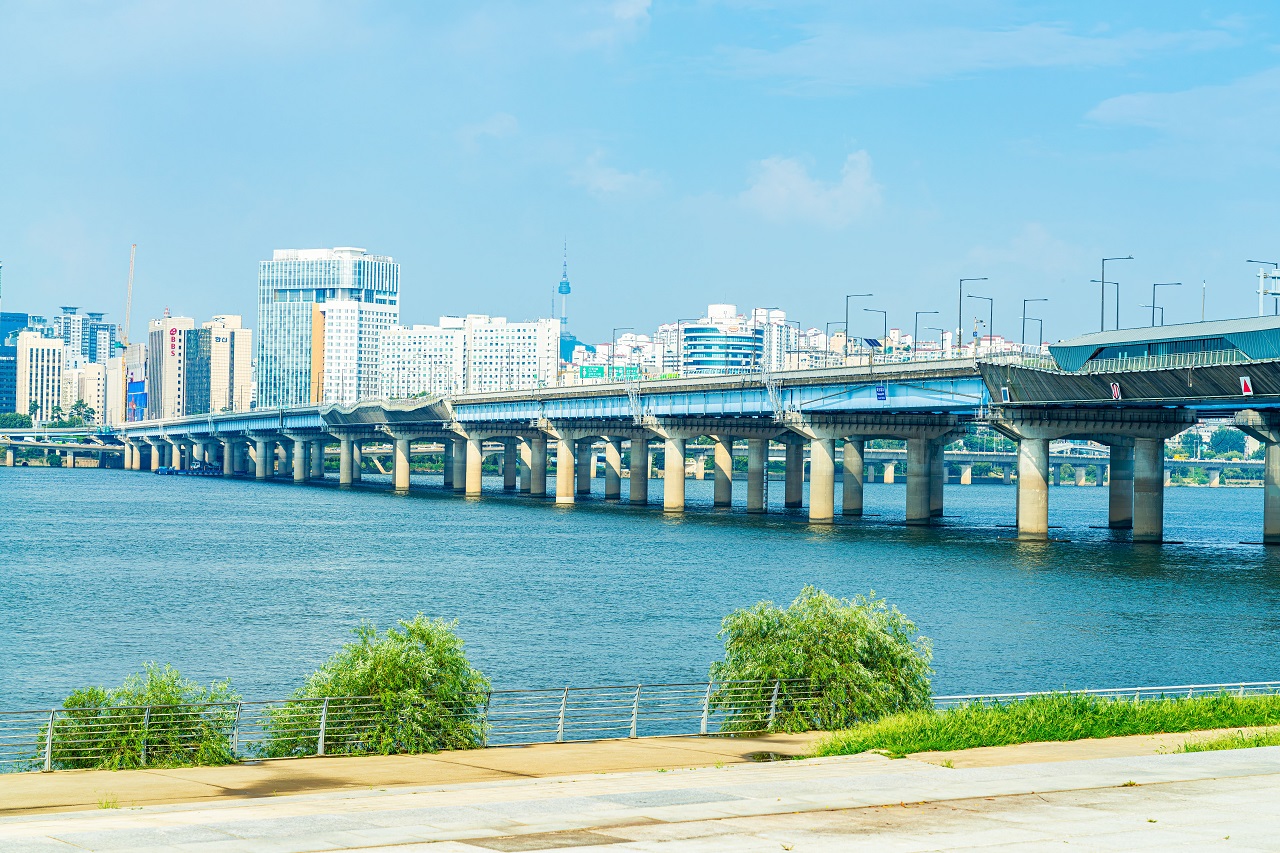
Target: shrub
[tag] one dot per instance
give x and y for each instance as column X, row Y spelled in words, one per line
column 839, row 661
column 14, row 420
column 156, row 718
column 410, row 690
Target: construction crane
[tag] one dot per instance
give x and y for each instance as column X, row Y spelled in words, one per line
column 124, row 343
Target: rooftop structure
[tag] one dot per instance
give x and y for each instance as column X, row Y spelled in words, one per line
column 1252, row 337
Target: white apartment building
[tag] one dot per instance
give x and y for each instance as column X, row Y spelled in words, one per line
column 86, row 381
column 422, row 360
column 167, row 366
column 230, row 364
column 39, row 368
column 471, row 354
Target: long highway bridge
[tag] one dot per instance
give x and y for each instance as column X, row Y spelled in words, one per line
column 1129, row 390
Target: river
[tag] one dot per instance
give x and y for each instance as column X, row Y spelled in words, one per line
column 260, row 582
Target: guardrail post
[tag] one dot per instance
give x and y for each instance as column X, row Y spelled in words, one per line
column 773, row 703
column 488, row 702
column 324, row 719
column 48, row 741
column 564, row 704
column 706, row 710
column 146, row 722
column 635, row 712
column 235, row 732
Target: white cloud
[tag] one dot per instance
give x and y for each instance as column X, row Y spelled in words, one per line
column 782, row 189
column 496, row 126
column 1245, row 109
column 602, row 180
column 836, row 57
column 626, row 19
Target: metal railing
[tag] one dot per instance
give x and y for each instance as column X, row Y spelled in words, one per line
column 1135, row 694
column 115, row 737
column 1170, row 361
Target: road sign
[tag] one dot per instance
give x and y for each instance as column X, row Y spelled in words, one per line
column 629, row 371
column 1246, row 386
column 882, row 393
column 1115, row 390
column 591, row 371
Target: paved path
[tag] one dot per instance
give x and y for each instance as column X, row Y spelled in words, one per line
column 867, row 802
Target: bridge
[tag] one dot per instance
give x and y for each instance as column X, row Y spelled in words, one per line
column 1131, row 403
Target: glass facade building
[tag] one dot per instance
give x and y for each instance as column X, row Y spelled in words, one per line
column 321, row 313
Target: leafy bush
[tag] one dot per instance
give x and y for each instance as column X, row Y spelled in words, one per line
column 410, row 690
column 839, row 662
column 14, row 420
column 1056, row 717
column 156, row 718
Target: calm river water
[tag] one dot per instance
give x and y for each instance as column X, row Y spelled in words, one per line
column 260, row 582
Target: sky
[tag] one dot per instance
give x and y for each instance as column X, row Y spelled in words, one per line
column 763, row 154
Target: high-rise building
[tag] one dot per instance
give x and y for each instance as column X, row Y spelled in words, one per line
column 39, row 374
column 321, row 314
column 167, row 366
column 85, row 382
column 780, row 337
column 85, row 334
column 505, row 356
column 219, row 367
column 422, row 360
column 10, row 324
column 722, row 342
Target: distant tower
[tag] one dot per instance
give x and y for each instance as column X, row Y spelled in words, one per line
column 563, row 290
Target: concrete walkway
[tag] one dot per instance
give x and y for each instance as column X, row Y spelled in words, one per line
column 867, row 802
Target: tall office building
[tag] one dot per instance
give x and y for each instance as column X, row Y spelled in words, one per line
column 321, row 315
column 84, row 381
column 219, row 367
column 167, row 373
column 85, row 334
column 39, row 374
column 724, row 341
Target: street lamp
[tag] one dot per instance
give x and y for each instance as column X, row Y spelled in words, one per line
column 846, row 322
column 991, row 317
column 942, row 337
column 1153, row 299
column 1154, row 309
column 915, row 332
column 826, row 355
column 1024, row 319
column 884, row 341
column 960, row 309
column 613, row 348
column 1102, row 284
column 1041, row 329
column 1262, row 289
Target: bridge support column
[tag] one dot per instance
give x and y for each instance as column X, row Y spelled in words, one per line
column 793, row 490
column 638, row 483
column 447, row 465
column 822, row 481
column 887, row 475
column 1079, row 472
column 1215, row 477
column 1148, row 490
column 230, row 448
column 317, row 460
column 1265, row 427
column 346, row 461
column 357, row 460
column 1101, row 472
column 1168, row 478
column 1033, row 488
column 586, row 465
column 854, row 469
column 612, row 469
column 673, row 473
column 475, row 466
column 966, row 474
column 524, row 462
column 757, row 470
column 538, row 466
column 157, row 455
column 937, row 477
column 1120, row 503
column 8, row 455
column 1056, row 471
column 509, row 464
column 401, row 466
column 71, row 459
column 724, row 471
column 300, row 460
column 565, row 469
column 459, row 479
column 262, row 459
column 919, row 480
column 1008, row 474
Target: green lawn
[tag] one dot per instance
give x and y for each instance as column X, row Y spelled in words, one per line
column 1056, row 717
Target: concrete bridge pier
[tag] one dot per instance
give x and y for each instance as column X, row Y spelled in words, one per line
column 1120, row 497
column 524, row 462
column 157, row 454
column 919, row 480
column 447, row 466
column 357, row 459
column 1079, row 471
column 1101, row 471
column 346, row 461
column 459, row 479
column 300, row 466
column 673, row 474
column 8, row 455
column 1265, row 427
column 585, row 469
column 400, row 466
column 230, row 450
column 509, row 464
column 565, row 468
column 757, row 467
column 538, row 466
column 638, row 482
column 475, row 465
column 793, row 485
column 1148, row 490
column 966, row 474
column 1215, row 477
column 723, row 495
column 937, row 477
column 317, row 459
column 1006, row 474
column 854, row 470
column 612, row 469
column 1056, row 471
column 822, row 480
column 887, row 474
column 1033, row 488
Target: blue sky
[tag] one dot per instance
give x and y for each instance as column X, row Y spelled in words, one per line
column 772, row 154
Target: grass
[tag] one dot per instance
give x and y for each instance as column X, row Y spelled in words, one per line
column 1233, row 740
column 108, row 801
column 1055, row 717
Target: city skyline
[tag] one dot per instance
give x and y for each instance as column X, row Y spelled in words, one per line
column 729, row 153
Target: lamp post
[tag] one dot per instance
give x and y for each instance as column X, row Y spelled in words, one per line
column 942, row 337
column 613, row 347
column 1024, row 318
column 1154, row 309
column 960, row 309
column 827, row 354
column 1262, row 286
column 846, row 323
column 1102, row 284
column 884, row 341
column 991, row 318
column 915, row 332
column 1041, row 330
column 1153, row 299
